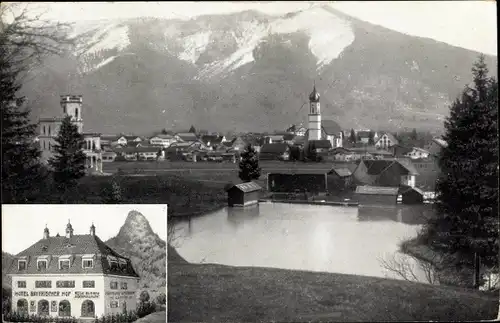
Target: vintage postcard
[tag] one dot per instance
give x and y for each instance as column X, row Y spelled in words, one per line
column 84, row 262
column 321, row 160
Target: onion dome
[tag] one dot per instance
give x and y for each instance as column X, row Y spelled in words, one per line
column 314, row 96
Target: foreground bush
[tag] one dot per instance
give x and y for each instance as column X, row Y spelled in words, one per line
column 22, row 317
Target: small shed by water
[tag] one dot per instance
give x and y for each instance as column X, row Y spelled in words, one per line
column 377, row 195
column 411, row 195
column 243, row 194
column 339, row 179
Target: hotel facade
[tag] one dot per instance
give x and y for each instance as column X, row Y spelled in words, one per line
column 72, row 276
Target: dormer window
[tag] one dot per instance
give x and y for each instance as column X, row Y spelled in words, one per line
column 88, row 261
column 123, row 264
column 64, row 262
column 41, row 264
column 113, row 262
column 21, row 264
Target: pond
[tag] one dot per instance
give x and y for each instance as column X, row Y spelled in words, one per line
column 347, row 240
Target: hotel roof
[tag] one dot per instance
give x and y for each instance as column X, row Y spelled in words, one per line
column 77, row 247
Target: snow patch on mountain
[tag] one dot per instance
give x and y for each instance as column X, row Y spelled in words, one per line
column 328, row 34
column 194, row 45
column 97, row 36
column 250, row 37
column 114, row 36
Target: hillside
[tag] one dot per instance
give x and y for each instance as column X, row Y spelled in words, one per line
column 146, row 250
column 7, row 259
column 220, row 71
column 217, row 293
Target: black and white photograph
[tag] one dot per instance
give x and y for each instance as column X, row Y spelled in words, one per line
column 92, row 263
column 321, row 160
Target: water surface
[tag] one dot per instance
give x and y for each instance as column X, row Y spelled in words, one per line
column 346, row 240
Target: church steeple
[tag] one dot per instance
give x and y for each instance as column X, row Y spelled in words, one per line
column 69, row 230
column 46, row 233
column 314, row 96
column 314, row 115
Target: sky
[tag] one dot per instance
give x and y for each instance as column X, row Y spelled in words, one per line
column 468, row 24
column 23, row 225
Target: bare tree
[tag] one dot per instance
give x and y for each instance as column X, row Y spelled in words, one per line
column 26, row 38
column 406, row 267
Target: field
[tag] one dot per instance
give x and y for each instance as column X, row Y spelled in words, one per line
column 176, row 166
column 218, row 293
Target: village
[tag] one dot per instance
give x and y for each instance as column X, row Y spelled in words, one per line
column 338, row 160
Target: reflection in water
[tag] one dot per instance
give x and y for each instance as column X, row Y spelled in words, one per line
column 413, row 215
column 305, row 237
column 239, row 215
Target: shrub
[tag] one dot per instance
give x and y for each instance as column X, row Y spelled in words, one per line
column 228, row 186
column 162, row 299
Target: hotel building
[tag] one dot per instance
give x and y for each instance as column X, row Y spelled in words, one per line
column 72, row 276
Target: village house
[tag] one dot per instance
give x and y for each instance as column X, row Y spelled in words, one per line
column 333, row 133
column 280, row 151
column 386, row 141
column 186, row 136
column 339, row 179
column 213, row 141
column 162, row 140
column 428, row 170
column 411, row 195
column 72, row 276
column 417, row 153
column 109, row 156
column 343, row 154
column 369, row 152
column 363, row 136
column 274, row 139
column 435, row 146
column 150, row 153
column 400, row 151
column 386, row 172
column 320, row 146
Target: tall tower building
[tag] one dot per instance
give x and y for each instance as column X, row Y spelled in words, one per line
column 72, row 105
column 314, row 116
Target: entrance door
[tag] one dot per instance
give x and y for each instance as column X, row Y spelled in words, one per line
column 43, row 307
column 88, row 309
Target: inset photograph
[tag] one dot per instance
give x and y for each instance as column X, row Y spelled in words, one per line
column 97, row 263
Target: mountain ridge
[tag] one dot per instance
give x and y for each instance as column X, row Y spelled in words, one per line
column 217, row 73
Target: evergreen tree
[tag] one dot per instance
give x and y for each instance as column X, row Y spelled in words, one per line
column 413, row 135
column 311, row 153
column 249, row 165
column 192, row 129
column 113, row 193
column 68, row 163
column 371, row 139
column 352, row 137
column 466, row 220
column 21, row 169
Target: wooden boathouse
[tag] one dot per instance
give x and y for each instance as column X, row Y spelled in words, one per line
column 377, row 195
column 243, row 194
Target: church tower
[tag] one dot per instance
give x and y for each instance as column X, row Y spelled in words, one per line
column 72, row 106
column 314, row 116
